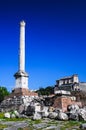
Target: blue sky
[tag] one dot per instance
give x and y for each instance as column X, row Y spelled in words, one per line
column 55, row 40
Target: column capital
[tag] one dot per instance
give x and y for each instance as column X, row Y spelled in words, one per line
column 22, row 23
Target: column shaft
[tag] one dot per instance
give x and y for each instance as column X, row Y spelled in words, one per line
column 22, row 47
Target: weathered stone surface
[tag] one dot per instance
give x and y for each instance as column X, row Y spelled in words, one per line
column 16, row 126
column 57, row 110
column 52, row 128
column 84, row 108
column 82, row 114
column 73, row 107
column 16, row 113
column 30, row 110
column 53, row 115
column 7, row 115
column 39, row 126
column 83, row 126
column 38, row 107
column 21, row 109
column 73, row 112
column 73, row 116
column 13, row 115
column 62, row 116
column 51, row 109
column 45, row 112
column 17, row 103
column 23, row 116
column 37, row 116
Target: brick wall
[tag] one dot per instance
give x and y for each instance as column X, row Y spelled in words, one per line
column 63, row 101
column 21, row 92
column 57, row 103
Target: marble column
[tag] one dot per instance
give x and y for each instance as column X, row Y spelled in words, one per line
column 22, row 47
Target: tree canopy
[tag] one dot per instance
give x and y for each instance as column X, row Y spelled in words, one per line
column 3, row 92
column 46, row 91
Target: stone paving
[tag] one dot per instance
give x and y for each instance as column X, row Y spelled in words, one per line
column 15, row 125
column 12, row 125
column 45, row 124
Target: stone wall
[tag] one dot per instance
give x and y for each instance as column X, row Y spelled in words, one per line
column 21, row 92
column 62, row 102
column 57, row 103
column 15, row 102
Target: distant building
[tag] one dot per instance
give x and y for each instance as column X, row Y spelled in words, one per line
column 70, row 83
column 82, row 86
column 69, row 90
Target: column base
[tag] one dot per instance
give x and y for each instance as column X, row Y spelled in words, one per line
column 21, row 92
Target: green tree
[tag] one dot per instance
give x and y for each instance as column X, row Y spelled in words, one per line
column 46, row 91
column 49, row 90
column 3, row 92
column 41, row 91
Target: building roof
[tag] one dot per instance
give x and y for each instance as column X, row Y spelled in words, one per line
column 68, row 77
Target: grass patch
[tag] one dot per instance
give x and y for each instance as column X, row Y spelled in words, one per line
column 71, row 124
column 54, row 122
column 14, row 119
column 20, row 128
column 10, row 119
column 1, row 115
column 32, row 122
column 36, row 121
column 2, row 126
